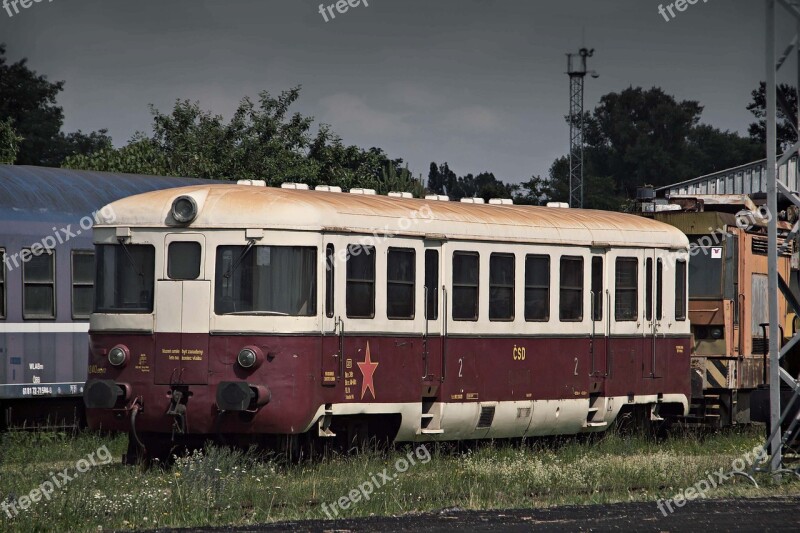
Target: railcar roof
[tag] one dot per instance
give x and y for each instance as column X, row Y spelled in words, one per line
column 29, row 192
column 243, row 206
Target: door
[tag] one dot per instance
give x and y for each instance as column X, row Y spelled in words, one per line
column 332, row 323
column 599, row 315
column 654, row 341
column 182, row 313
column 434, row 294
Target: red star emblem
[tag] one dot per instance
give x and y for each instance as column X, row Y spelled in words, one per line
column 368, row 371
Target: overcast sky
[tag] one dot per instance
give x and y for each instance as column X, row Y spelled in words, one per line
column 478, row 83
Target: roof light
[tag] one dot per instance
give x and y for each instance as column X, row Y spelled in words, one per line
column 252, row 183
column 558, row 205
column 368, row 192
column 473, row 201
column 295, row 186
column 438, row 197
column 328, row 188
column 501, row 201
column 401, row 195
column 184, row 209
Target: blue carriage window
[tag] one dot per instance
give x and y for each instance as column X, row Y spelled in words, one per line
column 2, row 284
column 39, row 284
column 82, row 283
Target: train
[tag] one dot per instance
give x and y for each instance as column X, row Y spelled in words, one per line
column 728, row 292
column 46, row 285
column 247, row 313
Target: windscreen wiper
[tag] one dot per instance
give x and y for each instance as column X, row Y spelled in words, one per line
column 239, row 260
column 135, row 267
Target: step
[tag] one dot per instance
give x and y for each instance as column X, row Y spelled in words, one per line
column 596, row 424
column 431, row 431
column 427, row 415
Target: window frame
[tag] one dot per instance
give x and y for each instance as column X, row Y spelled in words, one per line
column 477, row 286
column 432, row 304
column 659, row 289
column 512, row 286
column 547, row 287
column 349, row 280
column 648, row 289
column 681, row 267
column 330, row 280
column 412, row 283
column 25, row 315
column 634, row 288
column 74, row 284
column 561, row 287
column 199, row 262
column 597, row 296
column 3, row 285
column 151, row 304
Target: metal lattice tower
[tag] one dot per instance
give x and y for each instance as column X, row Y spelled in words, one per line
column 577, row 75
column 777, row 441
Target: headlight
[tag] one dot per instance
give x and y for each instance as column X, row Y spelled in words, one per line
column 250, row 357
column 118, row 355
column 716, row 333
column 184, row 209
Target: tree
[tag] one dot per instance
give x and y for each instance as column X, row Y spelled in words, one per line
column 263, row 140
column 787, row 115
column 9, row 142
column 28, row 101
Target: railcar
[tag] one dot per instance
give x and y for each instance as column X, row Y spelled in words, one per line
column 728, row 299
column 46, row 283
column 242, row 312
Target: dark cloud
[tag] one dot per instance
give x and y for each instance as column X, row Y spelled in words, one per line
column 480, row 84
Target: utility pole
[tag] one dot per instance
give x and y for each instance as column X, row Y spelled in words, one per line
column 576, row 69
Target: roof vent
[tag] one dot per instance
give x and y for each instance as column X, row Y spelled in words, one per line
column 252, row 183
column 438, row 197
column 473, row 201
column 558, row 205
column 295, row 186
column 328, row 188
column 501, row 201
column 401, row 195
column 368, row 192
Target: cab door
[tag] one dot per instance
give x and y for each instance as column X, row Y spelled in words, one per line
column 182, row 312
column 599, row 311
column 332, row 323
column 653, row 298
column 433, row 340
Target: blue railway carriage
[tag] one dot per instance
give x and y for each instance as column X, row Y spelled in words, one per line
column 47, row 284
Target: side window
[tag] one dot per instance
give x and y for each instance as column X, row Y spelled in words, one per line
column 571, row 293
column 360, row 297
column 680, row 290
column 597, row 289
column 82, row 283
column 330, row 258
column 183, row 262
column 2, row 284
column 537, row 288
column 432, row 284
column 501, row 287
column 400, row 283
column 627, row 285
column 648, row 296
column 466, row 271
column 659, row 289
column 39, row 285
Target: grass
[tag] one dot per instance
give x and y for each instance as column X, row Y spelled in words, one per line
column 217, row 486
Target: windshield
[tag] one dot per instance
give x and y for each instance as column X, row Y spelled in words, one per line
column 125, row 278
column 266, row 280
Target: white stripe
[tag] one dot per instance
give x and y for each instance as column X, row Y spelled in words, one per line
column 44, row 327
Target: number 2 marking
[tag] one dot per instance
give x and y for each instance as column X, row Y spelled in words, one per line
column 460, row 367
column 576, row 366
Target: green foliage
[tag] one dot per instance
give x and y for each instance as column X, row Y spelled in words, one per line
column 787, row 115
column 28, row 102
column 442, row 180
column 9, row 142
column 264, row 140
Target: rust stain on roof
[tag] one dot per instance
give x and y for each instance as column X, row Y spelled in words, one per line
column 240, row 206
